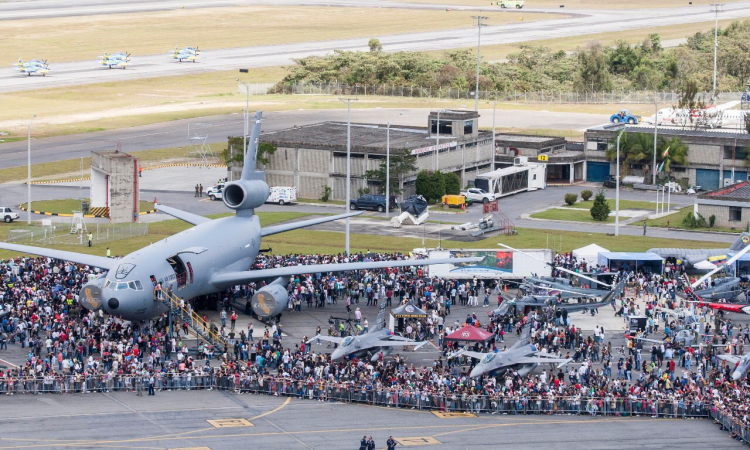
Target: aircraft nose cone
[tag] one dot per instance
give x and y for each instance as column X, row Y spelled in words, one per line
column 736, row 375
column 337, row 354
column 113, row 304
column 476, row 372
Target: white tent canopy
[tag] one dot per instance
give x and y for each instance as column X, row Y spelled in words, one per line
column 589, row 253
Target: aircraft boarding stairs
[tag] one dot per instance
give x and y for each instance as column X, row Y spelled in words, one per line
column 196, row 326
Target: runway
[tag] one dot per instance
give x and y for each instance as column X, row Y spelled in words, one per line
column 175, row 133
column 583, row 22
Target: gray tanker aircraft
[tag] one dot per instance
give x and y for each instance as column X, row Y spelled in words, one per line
column 377, row 340
column 207, row 258
column 523, row 357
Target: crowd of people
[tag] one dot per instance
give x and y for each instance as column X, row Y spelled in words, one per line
column 72, row 350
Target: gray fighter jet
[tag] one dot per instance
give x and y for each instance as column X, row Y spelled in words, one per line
column 523, row 357
column 727, row 288
column 741, row 364
column 207, row 258
column 377, row 340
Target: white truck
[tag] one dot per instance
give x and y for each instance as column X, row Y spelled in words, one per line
column 8, row 215
column 282, row 195
column 216, row 192
column 478, row 195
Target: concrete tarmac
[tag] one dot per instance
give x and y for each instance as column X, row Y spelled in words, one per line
column 583, row 22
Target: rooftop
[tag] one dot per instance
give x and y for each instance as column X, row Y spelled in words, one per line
column 364, row 137
column 736, row 192
column 716, row 133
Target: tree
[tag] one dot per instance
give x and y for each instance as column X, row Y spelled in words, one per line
column 691, row 100
column 375, row 46
column 600, row 209
column 402, row 163
column 593, row 74
column 234, row 154
column 634, row 148
column 452, row 183
column 430, row 185
column 672, row 151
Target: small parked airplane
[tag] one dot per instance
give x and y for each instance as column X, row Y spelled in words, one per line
column 118, row 59
column 187, row 53
column 710, row 117
column 33, row 67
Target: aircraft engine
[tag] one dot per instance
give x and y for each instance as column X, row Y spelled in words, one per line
column 245, row 194
column 385, row 350
column 90, row 296
column 270, row 300
column 526, row 369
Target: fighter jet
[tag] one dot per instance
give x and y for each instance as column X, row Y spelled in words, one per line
column 693, row 296
column 377, row 340
column 116, row 60
column 523, row 356
column 727, row 288
column 33, row 67
column 702, row 260
column 532, row 302
column 187, row 53
column 207, row 258
column 741, row 364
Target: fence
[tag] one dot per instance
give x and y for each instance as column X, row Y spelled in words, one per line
column 665, row 99
column 59, row 233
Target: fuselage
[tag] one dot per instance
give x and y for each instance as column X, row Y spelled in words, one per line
column 185, row 262
column 360, row 345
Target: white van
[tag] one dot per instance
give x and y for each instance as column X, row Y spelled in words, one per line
column 282, row 195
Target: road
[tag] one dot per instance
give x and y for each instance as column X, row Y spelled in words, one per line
column 583, row 22
column 175, row 134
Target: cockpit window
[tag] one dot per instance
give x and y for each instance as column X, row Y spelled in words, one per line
column 138, row 286
column 488, row 358
column 348, row 341
column 123, row 270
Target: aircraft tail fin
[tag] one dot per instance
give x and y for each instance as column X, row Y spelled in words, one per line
column 248, row 169
column 742, row 241
column 380, row 321
column 526, row 332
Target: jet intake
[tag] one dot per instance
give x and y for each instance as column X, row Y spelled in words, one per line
column 270, row 301
column 245, row 194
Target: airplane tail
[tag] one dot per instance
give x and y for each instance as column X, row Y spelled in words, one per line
column 251, row 190
column 742, row 241
column 526, row 332
column 380, row 321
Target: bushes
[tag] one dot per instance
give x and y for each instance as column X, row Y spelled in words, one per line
column 326, row 194
column 570, row 199
column 430, row 185
column 600, row 210
column 690, row 221
column 712, row 220
column 586, row 195
column 452, row 183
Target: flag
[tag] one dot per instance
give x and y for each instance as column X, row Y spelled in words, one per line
column 661, row 166
column 666, row 153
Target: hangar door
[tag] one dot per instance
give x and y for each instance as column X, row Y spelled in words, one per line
column 738, row 176
column 597, row 171
column 707, row 179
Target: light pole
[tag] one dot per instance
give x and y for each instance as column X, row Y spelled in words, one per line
column 348, row 162
column 617, row 181
column 388, row 170
column 479, row 20
column 492, row 162
column 656, row 127
column 28, row 176
column 716, row 9
column 437, row 143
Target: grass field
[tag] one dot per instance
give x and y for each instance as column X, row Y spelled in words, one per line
column 573, row 4
column 674, row 220
column 576, row 215
column 624, row 204
column 68, row 205
column 86, row 37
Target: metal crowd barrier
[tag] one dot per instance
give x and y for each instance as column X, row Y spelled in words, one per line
column 730, row 424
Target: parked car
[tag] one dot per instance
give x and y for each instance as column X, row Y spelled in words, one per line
column 8, row 215
column 216, row 192
column 478, row 195
column 610, row 182
column 373, row 202
column 518, row 4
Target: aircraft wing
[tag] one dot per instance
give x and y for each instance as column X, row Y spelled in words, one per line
column 389, row 343
column 646, row 339
column 725, row 106
column 267, row 231
column 334, row 339
column 78, row 258
column 224, row 280
column 543, row 360
column 469, row 353
column 730, row 358
column 194, row 219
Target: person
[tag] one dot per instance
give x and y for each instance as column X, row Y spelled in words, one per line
column 138, row 385
column 644, row 227
column 233, row 318
column 391, row 443
column 200, row 190
column 91, row 238
column 196, row 191
column 151, row 385
column 363, row 443
column 370, row 444
column 109, row 253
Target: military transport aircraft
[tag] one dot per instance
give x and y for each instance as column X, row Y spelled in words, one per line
column 207, row 258
column 33, row 67
column 378, row 339
column 523, row 357
column 702, row 260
